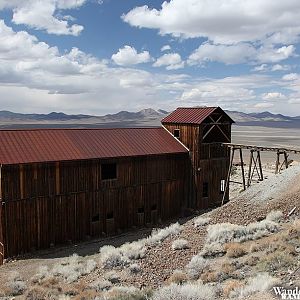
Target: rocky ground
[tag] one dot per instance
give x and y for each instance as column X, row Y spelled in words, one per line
column 210, row 261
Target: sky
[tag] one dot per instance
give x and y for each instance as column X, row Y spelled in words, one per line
column 104, row 56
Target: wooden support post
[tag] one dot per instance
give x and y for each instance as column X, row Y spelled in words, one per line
column 228, row 175
column 261, row 176
column 243, row 171
column 277, row 162
column 286, row 159
column 250, row 168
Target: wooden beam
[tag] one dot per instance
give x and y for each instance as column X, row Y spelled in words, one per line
column 225, row 135
column 250, row 168
column 286, row 159
column 260, row 166
column 277, row 162
column 262, row 148
column 228, row 175
column 243, row 171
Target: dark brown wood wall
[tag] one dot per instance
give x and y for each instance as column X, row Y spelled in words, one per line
column 53, row 203
column 209, row 163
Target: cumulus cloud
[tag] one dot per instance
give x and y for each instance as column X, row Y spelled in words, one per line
column 172, row 61
column 263, row 105
column 290, row 77
column 128, row 55
column 43, row 15
column 228, row 54
column 240, row 53
column 279, row 67
column 273, row 96
column 165, row 48
column 241, row 21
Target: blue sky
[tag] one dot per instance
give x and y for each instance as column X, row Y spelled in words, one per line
column 97, row 57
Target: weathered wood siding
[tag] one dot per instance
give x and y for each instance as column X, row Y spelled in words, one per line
column 210, row 163
column 54, row 203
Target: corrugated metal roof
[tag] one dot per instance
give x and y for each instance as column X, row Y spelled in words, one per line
column 41, row 145
column 188, row 115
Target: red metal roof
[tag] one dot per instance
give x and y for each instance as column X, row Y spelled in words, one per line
column 188, row 115
column 41, row 145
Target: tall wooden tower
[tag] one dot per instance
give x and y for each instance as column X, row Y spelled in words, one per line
column 203, row 130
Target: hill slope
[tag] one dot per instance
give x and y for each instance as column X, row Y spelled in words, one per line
column 233, row 250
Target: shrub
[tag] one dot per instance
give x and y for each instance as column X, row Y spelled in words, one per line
column 112, row 276
column 39, row 293
column 185, row 292
column 15, row 286
column 178, row 277
column 73, row 268
column 196, row 266
column 100, row 285
column 127, row 293
column 160, row 235
column 262, row 282
column 230, row 286
column 180, row 244
column 134, row 250
column 112, row 257
column 209, row 276
column 276, row 261
column 234, row 250
column 219, row 234
column 201, row 221
column 134, row 268
column 275, row 216
column 43, row 272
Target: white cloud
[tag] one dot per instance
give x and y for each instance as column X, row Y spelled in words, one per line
column 240, row 53
column 273, row 96
column 165, row 48
column 273, row 55
column 278, row 67
column 223, row 22
column 290, row 77
column 263, row 105
column 129, row 56
column 172, row 61
column 261, row 68
column 43, row 15
column 228, row 54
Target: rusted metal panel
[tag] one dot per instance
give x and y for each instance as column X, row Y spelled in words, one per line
column 49, row 145
column 186, row 115
column 194, row 115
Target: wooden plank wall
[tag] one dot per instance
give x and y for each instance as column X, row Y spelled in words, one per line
column 209, row 163
column 55, row 203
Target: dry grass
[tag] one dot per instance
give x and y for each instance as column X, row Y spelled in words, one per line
column 178, row 277
column 234, row 250
column 230, row 286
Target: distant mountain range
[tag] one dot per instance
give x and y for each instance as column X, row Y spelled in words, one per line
column 146, row 117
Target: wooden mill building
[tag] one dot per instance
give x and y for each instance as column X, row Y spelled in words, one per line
column 67, row 185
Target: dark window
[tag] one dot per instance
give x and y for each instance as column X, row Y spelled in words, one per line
column 96, row 218
column 222, row 186
column 177, row 133
column 205, row 189
column 154, row 207
column 141, row 210
column 110, row 215
column 108, row 171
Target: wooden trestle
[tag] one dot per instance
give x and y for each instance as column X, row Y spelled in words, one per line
column 255, row 165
